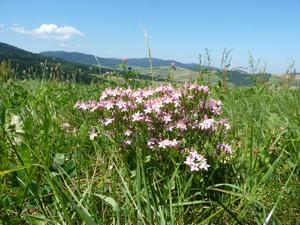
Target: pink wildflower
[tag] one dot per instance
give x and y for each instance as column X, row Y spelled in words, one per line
column 173, row 66
column 214, row 106
column 196, row 162
column 151, row 143
column 81, row 105
column 225, row 123
column 108, row 105
column 148, row 93
column 125, row 59
column 167, row 100
column 170, row 128
column 225, row 148
column 92, row 105
column 167, row 118
column 181, row 125
column 204, row 89
column 121, row 105
column 197, row 87
column 207, row 124
column 137, row 117
column 168, row 143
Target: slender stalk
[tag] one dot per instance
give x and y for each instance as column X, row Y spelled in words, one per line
column 149, row 53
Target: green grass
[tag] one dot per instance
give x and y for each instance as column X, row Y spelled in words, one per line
column 57, row 177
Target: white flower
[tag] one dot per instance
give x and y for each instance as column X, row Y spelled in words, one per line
column 107, row 122
column 65, row 126
column 15, row 128
column 93, row 134
column 148, row 110
column 128, row 133
column 127, row 142
column 17, row 123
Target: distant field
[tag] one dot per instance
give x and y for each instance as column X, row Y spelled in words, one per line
column 277, row 79
column 180, row 74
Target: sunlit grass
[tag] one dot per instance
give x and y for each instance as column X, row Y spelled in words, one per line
column 59, row 176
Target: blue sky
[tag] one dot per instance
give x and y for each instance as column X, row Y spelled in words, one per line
column 179, row 30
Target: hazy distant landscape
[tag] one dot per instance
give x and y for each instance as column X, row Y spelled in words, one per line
column 103, row 121
column 73, row 60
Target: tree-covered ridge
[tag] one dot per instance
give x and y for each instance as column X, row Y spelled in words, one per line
column 25, row 64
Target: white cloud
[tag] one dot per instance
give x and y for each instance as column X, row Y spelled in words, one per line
column 51, row 31
column 2, row 25
column 62, row 45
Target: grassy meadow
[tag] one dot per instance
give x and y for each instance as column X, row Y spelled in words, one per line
column 53, row 172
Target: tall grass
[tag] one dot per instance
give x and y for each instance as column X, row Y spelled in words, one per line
column 149, row 52
column 57, row 175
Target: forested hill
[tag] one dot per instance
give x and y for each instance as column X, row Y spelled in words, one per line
column 24, row 62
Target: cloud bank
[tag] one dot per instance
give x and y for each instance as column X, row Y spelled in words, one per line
column 51, row 31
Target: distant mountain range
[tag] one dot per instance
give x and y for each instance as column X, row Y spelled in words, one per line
column 236, row 77
column 114, row 62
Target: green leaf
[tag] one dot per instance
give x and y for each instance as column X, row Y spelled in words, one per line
column 59, row 158
column 17, row 169
column 87, row 219
column 113, row 203
column 70, row 168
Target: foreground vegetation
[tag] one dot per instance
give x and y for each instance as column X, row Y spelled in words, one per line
column 53, row 169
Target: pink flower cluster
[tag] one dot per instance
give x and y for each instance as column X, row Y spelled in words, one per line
column 196, row 162
column 165, row 114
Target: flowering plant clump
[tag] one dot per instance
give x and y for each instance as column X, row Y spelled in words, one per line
column 163, row 120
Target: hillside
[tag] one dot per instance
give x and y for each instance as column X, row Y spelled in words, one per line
column 82, row 58
column 24, row 62
column 19, row 57
column 114, row 62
